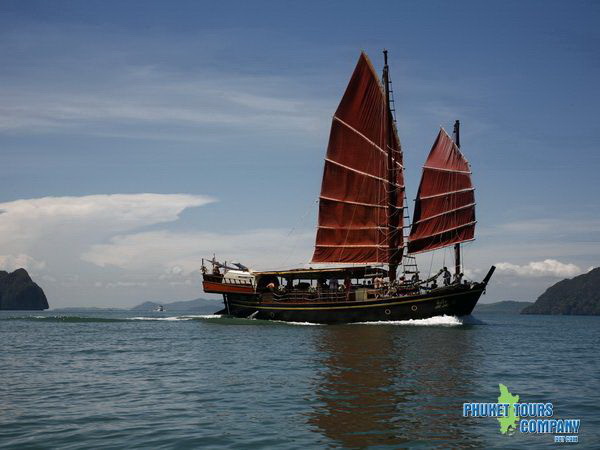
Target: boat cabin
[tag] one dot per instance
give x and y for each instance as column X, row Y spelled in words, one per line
column 327, row 284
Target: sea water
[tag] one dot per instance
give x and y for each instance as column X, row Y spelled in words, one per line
column 161, row 380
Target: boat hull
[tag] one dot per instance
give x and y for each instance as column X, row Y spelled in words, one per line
column 454, row 301
column 213, row 287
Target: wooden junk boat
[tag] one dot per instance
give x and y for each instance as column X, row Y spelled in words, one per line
column 361, row 222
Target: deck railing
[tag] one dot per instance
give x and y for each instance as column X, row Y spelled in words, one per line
column 315, row 296
column 237, row 282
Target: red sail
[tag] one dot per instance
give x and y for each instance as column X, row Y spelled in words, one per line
column 353, row 205
column 445, row 206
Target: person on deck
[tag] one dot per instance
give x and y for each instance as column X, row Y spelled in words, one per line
column 347, row 283
column 447, row 276
column 378, row 282
column 322, row 284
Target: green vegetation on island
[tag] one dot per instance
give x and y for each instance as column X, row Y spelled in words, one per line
column 576, row 296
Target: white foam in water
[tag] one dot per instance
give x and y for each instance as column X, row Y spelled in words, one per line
column 298, row 323
column 176, row 318
column 265, row 321
column 447, row 321
column 158, row 318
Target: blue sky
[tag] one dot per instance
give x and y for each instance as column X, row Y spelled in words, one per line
column 220, row 112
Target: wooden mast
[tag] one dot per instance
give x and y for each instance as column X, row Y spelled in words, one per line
column 457, row 268
column 392, row 228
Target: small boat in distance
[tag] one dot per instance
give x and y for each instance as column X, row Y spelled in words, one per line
column 362, row 209
column 159, row 308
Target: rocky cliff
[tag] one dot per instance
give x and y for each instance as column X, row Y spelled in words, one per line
column 19, row 292
column 577, row 296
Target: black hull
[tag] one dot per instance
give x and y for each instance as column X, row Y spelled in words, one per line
column 456, row 300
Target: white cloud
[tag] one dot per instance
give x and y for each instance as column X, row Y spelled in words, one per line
column 176, row 254
column 208, row 100
column 100, row 243
column 13, row 262
column 472, row 273
column 545, row 268
column 47, row 236
column 30, row 222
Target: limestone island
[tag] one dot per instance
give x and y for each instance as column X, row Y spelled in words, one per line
column 19, row 292
column 576, row 296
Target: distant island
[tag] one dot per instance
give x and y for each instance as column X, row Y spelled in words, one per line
column 576, row 296
column 201, row 305
column 505, row 307
column 19, row 292
column 198, row 305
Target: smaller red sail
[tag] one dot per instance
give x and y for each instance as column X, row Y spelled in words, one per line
column 445, row 205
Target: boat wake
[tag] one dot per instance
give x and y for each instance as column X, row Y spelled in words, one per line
column 302, row 324
column 437, row 321
column 443, row 321
column 179, row 318
column 230, row 320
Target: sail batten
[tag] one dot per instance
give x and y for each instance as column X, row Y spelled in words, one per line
column 445, row 205
column 354, row 246
column 349, row 202
column 353, row 228
column 426, row 197
column 354, row 204
column 448, row 170
column 447, row 230
column 360, row 134
column 360, row 172
column 445, row 212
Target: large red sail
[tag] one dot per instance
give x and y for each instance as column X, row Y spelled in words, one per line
column 353, row 205
column 445, row 206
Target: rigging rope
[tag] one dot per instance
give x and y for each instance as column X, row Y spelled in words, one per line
column 293, row 229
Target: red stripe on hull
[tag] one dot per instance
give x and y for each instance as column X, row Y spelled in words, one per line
column 210, row 287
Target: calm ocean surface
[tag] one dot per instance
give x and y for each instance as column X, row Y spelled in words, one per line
column 160, row 380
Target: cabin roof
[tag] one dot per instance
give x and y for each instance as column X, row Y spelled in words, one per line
column 328, row 272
